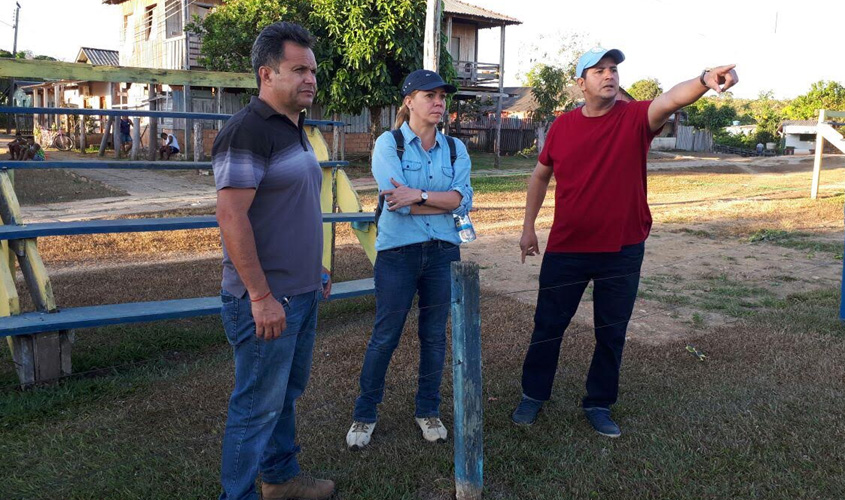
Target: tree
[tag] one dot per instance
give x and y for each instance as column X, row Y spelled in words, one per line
column 229, row 30
column 373, row 46
column 645, row 89
column 552, row 80
column 364, row 48
column 705, row 114
column 549, row 85
column 767, row 113
column 822, row 95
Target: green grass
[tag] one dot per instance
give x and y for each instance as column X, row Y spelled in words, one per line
column 735, row 426
column 797, row 240
column 503, row 184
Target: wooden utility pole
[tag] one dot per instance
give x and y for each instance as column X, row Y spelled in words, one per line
column 431, row 46
column 14, row 56
column 498, row 143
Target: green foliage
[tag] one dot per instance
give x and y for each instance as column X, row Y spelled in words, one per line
column 645, row 89
column 364, row 50
column 549, row 86
column 706, row 114
column 230, row 29
column 372, row 48
column 553, row 72
column 822, row 95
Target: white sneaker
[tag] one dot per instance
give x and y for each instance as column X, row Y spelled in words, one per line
column 359, row 435
column 433, row 429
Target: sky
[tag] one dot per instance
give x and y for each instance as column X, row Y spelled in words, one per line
column 778, row 45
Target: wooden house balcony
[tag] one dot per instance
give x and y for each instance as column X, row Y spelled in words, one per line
column 477, row 74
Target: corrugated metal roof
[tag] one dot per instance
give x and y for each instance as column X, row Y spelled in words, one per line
column 465, row 9
column 99, row 57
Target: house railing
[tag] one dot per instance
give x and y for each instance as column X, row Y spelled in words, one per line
column 474, row 73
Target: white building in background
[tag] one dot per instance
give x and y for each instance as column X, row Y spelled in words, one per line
column 799, row 134
column 738, row 129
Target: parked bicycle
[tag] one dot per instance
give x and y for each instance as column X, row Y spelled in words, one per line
column 57, row 139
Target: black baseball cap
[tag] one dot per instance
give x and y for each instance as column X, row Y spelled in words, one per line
column 423, row 79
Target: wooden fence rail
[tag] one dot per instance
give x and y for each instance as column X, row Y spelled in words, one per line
column 40, row 341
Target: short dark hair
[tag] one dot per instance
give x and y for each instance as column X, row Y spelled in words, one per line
column 269, row 48
column 164, row 135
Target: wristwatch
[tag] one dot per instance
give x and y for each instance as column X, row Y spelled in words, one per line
column 424, row 196
column 701, row 78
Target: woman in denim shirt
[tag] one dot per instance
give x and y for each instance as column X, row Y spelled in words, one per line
column 417, row 242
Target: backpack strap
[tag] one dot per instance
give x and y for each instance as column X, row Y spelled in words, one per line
column 453, row 153
column 400, row 142
column 400, row 150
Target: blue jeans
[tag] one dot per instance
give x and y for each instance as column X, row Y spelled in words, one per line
column 400, row 273
column 563, row 278
column 269, row 377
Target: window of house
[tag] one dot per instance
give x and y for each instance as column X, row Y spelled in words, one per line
column 173, row 17
column 148, row 21
column 455, row 48
column 806, row 137
column 126, row 34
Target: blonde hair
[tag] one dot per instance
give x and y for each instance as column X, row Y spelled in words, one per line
column 404, row 113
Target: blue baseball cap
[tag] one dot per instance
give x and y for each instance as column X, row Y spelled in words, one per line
column 593, row 56
column 423, row 79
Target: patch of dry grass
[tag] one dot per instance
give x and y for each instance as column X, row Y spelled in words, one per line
column 50, row 186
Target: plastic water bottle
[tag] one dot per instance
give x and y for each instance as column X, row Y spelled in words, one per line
column 463, row 224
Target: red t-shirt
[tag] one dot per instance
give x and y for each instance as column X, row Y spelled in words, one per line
column 600, row 168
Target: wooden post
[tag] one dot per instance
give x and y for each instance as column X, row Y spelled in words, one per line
column 117, row 140
column 83, row 140
column 104, row 142
column 188, row 146
column 36, row 101
column 431, row 44
column 842, row 298
column 151, row 97
column 817, row 164
column 497, row 144
column 135, row 153
column 466, row 379
column 46, row 356
column 219, row 107
column 335, row 136
column 343, row 144
column 198, row 142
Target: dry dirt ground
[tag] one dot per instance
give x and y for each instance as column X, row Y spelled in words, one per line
column 701, row 266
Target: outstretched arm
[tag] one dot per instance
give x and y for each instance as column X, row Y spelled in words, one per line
column 685, row 93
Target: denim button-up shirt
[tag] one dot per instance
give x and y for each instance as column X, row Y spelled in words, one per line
column 430, row 170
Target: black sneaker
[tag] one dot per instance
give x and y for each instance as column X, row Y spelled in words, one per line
column 527, row 410
column 600, row 420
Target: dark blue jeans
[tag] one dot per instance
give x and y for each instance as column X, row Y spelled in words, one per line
column 563, row 278
column 269, row 377
column 401, row 273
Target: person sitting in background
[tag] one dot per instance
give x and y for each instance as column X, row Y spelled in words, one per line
column 170, row 147
column 34, row 152
column 16, row 147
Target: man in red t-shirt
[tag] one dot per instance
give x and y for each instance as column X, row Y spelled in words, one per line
column 597, row 154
